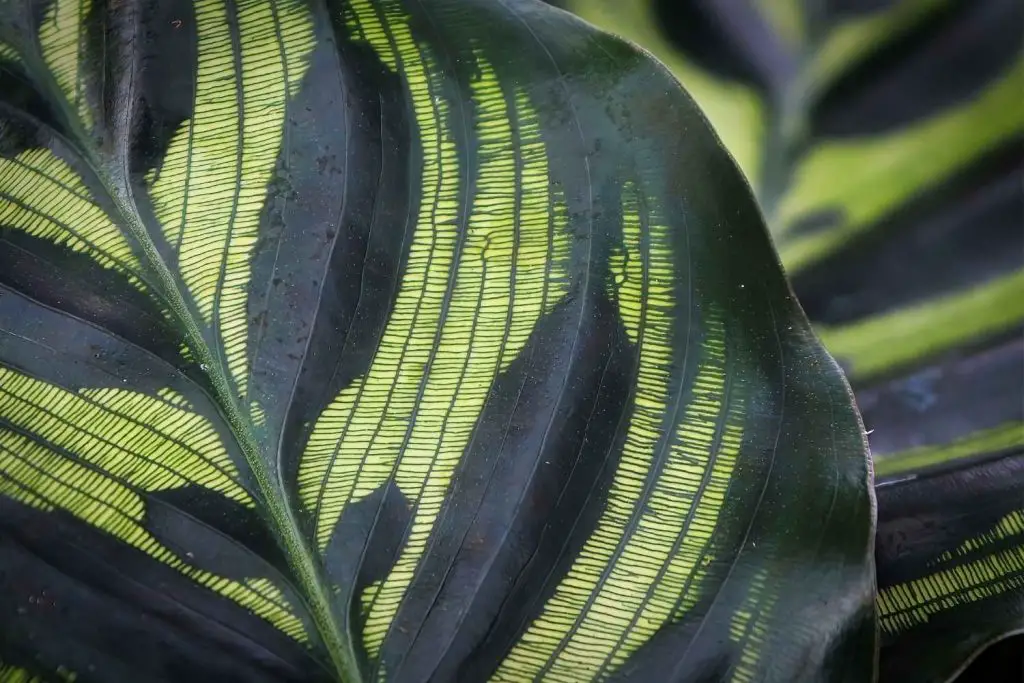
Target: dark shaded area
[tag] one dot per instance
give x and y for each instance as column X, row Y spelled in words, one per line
column 22, row 110
column 913, row 535
column 214, row 522
column 335, row 234
column 25, row 15
column 696, row 29
column 383, row 517
column 812, row 223
column 947, row 400
column 848, row 9
column 536, row 497
column 72, row 596
column 963, row 232
column 1002, row 662
column 61, row 349
column 945, row 59
column 164, row 86
column 364, row 546
column 706, row 665
column 73, row 282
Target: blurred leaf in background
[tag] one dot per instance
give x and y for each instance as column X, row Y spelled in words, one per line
column 885, row 141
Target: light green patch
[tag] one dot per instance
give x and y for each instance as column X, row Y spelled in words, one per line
column 9, row 53
column 1002, row 438
column 865, row 179
column 62, row 38
column 14, row 674
column 44, row 197
column 904, row 335
column 749, row 626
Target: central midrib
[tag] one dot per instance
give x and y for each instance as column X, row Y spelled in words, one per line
column 280, row 516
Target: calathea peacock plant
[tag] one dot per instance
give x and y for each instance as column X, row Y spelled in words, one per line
column 401, row 340
column 883, row 139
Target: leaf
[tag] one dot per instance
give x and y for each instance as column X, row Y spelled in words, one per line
column 949, row 552
column 400, row 341
column 950, row 578
column 883, row 140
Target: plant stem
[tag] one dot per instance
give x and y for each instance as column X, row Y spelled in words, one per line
column 279, row 514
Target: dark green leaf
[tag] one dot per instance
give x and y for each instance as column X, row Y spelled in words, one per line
column 950, row 577
column 381, row 340
column 884, row 140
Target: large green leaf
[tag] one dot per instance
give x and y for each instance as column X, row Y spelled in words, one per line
column 883, row 139
column 427, row 340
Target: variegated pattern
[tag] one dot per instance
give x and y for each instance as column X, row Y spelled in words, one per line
column 384, row 340
column 883, row 141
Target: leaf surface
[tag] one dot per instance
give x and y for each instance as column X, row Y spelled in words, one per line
column 387, row 340
column 883, row 140
column 950, row 579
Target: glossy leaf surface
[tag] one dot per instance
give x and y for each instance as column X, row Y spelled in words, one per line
column 400, row 341
column 884, row 140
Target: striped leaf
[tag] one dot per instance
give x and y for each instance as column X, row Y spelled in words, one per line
column 951, row 577
column 400, row 341
column 883, row 140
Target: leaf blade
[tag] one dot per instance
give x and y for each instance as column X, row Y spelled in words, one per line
column 957, row 583
column 890, row 196
column 530, row 335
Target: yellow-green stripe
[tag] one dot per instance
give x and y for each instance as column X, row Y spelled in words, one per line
column 909, row 604
column 1004, row 437
column 906, row 335
column 210, row 190
column 865, row 179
